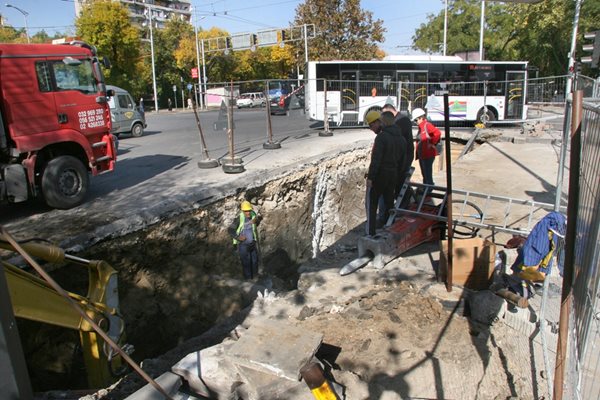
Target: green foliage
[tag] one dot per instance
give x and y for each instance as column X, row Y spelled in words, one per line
column 106, row 25
column 8, row 34
column 539, row 33
column 168, row 73
column 344, row 31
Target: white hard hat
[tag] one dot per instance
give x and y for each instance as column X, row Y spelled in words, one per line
column 417, row 112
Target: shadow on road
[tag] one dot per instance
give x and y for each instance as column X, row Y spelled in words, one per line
column 128, row 173
column 133, row 171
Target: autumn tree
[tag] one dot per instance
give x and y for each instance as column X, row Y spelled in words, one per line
column 106, row 25
column 8, row 34
column 344, row 31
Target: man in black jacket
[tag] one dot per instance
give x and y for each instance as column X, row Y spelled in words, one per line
column 404, row 123
column 389, row 125
column 383, row 170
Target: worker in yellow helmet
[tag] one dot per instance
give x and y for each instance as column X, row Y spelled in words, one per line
column 244, row 232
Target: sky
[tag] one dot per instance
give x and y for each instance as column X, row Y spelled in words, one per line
column 400, row 17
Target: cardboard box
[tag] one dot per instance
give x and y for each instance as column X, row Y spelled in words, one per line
column 472, row 262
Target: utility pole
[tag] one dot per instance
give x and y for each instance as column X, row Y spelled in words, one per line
column 149, row 10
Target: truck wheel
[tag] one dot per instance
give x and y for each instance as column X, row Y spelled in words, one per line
column 65, row 182
column 137, row 130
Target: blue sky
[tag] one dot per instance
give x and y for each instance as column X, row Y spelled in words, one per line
column 400, row 17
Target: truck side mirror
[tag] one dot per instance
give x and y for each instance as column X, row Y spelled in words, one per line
column 106, row 62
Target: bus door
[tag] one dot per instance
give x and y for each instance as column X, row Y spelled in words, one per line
column 515, row 94
column 412, row 89
column 349, row 90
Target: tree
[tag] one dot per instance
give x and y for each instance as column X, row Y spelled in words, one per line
column 168, row 71
column 8, row 34
column 463, row 28
column 106, row 25
column 539, row 33
column 344, row 31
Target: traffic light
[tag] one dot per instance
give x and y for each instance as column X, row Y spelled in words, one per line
column 594, row 48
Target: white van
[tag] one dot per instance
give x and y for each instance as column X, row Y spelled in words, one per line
column 124, row 114
column 255, row 99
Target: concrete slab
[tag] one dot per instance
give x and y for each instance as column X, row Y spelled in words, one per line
column 207, row 372
column 276, row 348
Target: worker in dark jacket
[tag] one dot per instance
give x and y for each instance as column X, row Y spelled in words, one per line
column 405, row 125
column 383, row 170
column 389, row 125
column 244, row 232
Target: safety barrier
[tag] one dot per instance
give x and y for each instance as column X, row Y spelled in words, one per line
column 581, row 336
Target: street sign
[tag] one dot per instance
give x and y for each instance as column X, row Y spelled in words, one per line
column 174, row 88
column 195, row 73
column 189, row 86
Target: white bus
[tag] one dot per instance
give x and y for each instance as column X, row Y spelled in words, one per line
column 478, row 90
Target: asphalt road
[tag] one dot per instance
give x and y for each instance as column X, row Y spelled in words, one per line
column 171, row 148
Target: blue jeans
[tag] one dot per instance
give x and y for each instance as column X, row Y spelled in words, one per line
column 427, row 170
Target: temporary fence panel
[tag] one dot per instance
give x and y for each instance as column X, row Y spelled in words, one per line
column 583, row 360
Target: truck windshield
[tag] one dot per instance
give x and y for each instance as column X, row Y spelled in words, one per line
column 75, row 77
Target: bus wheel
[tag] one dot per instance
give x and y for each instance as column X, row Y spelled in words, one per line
column 65, row 182
column 486, row 116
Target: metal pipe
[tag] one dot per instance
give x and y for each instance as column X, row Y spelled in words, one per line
column 449, row 224
column 567, row 294
column 568, row 90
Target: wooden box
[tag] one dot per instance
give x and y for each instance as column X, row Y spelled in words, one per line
column 472, row 262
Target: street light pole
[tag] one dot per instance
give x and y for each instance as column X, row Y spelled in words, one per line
column 445, row 24
column 152, row 54
column 198, row 62
column 481, row 23
column 25, row 15
column 203, row 72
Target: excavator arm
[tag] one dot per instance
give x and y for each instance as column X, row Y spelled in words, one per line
column 34, row 299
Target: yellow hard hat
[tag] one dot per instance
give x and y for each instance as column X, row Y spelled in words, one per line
column 372, row 116
column 246, row 206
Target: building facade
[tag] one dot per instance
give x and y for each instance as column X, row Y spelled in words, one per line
column 162, row 10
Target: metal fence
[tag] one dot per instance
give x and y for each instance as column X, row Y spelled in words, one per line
column 583, row 359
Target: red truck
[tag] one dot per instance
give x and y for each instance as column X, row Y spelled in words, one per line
column 54, row 122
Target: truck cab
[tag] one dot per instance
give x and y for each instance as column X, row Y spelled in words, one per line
column 55, row 122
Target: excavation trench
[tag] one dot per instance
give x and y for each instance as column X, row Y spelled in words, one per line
column 180, row 276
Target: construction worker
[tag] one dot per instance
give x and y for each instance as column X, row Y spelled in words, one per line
column 383, row 170
column 244, row 232
column 427, row 138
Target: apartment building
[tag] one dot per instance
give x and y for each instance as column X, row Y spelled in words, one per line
column 162, row 10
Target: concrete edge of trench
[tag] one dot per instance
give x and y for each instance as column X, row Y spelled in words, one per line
column 218, row 186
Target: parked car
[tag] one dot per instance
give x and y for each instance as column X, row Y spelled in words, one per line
column 124, row 114
column 254, row 99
